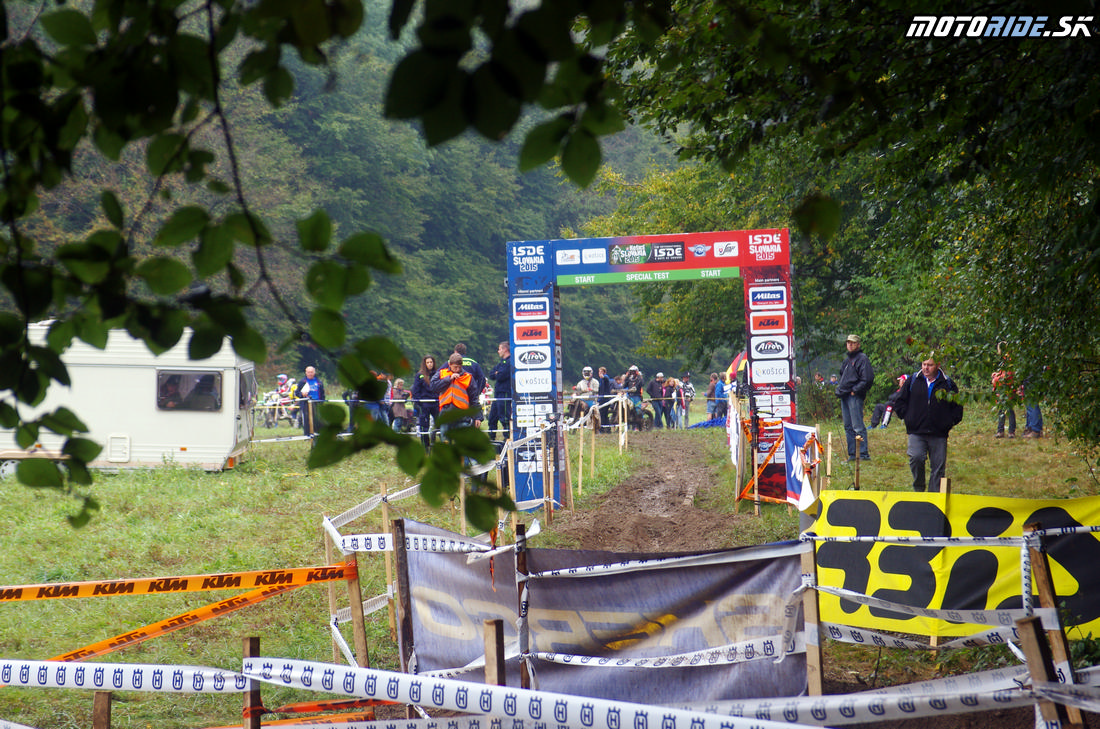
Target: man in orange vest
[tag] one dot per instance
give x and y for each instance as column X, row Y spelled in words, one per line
column 457, row 390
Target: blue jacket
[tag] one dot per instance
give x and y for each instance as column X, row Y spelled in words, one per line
column 501, row 375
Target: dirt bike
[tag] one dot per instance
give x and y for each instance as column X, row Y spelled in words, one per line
column 636, row 418
column 578, row 408
column 278, row 408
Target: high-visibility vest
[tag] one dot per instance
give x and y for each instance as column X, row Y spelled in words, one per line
column 456, row 393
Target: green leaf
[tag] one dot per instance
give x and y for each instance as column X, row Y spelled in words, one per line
column 315, row 232
column 214, row 252
column 206, row 341
column 580, row 159
column 165, row 276
column 602, row 119
column 327, row 328
column 370, row 250
column 481, row 512
column 258, row 64
column 82, row 449
column 495, row 108
column 400, row 10
column 69, row 28
column 310, row 21
column 250, row 344
column 818, row 214
column 165, row 154
column 328, row 448
column 543, row 143
column 113, row 208
column 89, row 263
column 278, row 86
column 40, row 473
column 417, row 84
column 326, row 282
column 411, row 457
column 184, row 225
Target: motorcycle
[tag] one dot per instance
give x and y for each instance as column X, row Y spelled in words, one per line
column 637, row 418
column 280, row 406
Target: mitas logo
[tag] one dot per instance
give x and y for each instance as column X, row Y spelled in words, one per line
column 535, row 307
column 767, row 297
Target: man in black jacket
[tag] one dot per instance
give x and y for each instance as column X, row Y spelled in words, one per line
column 856, row 378
column 929, row 404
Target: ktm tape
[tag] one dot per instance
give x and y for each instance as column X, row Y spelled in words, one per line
column 296, row 577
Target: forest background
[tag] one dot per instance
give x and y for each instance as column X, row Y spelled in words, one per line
column 175, row 164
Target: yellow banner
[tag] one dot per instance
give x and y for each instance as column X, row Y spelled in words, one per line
column 962, row 577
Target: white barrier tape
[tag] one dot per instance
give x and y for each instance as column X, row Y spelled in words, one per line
column 5, row 724
column 280, row 439
column 366, row 543
column 860, row 636
column 1048, row 616
column 442, row 545
column 338, row 639
column 691, row 560
column 1086, row 698
column 743, row 652
column 1015, row 542
column 863, row 708
column 121, row 677
column 535, row 504
column 371, row 504
column 343, row 615
column 564, row 711
column 532, row 531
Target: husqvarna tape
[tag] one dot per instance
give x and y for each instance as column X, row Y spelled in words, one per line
column 860, row 636
column 371, row 504
column 121, row 677
column 5, row 724
column 506, row 702
column 1015, row 542
column 1086, row 698
column 743, row 652
column 1048, row 616
column 165, row 585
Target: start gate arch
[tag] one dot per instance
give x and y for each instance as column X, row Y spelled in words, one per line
column 537, row 270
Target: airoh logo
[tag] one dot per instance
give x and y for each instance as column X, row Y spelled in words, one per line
column 768, row 346
column 533, row 357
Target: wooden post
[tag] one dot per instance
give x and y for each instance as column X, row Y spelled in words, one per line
column 331, row 589
column 1043, row 584
column 580, row 457
column 391, row 613
column 756, row 481
column 521, row 569
column 253, row 702
column 1041, row 667
column 512, row 480
column 591, row 451
column 101, row 710
column 567, row 476
column 812, row 623
column 355, row 599
column 818, row 469
column 829, row 457
column 547, row 481
column 859, row 441
column 494, row 653
column 404, row 601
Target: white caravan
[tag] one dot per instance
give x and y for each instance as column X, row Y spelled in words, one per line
column 148, row 410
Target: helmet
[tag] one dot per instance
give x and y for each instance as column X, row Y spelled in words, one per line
column 586, row 371
column 281, row 379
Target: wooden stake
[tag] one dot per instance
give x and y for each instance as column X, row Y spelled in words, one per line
column 101, row 710
column 547, row 482
column 392, row 614
column 331, row 589
column 253, row 702
column 521, row 568
column 580, row 457
column 1043, row 584
column 859, row 440
column 512, row 480
column 812, row 623
column 591, row 452
column 1041, row 667
column 494, row 653
column 404, row 601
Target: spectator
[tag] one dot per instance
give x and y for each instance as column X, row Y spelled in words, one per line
column 606, row 392
column 310, row 391
column 500, row 411
column 469, row 364
column 425, row 402
column 880, row 416
column 929, row 404
column 689, row 397
column 856, row 378
column 712, row 396
column 722, row 390
column 674, row 402
column 1004, row 393
column 399, row 406
column 656, row 391
column 457, row 390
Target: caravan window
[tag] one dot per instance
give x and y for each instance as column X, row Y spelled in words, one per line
column 246, row 389
column 191, row 390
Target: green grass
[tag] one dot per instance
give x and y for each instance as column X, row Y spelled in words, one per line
column 267, row 514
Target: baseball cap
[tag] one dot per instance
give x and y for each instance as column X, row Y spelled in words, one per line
column 854, row 338
column 660, row 375
column 687, row 375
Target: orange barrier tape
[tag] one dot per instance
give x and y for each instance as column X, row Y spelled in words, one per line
column 214, row 610
column 322, row 720
column 296, row 576
column 329, row 705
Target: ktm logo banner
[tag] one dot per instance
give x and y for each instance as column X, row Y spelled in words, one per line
column 943, row 576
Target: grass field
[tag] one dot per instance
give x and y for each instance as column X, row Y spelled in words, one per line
column 267, row 514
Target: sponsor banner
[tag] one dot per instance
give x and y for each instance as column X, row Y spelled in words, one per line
column 800, row 491
column 164, row 585
column 940, row 576
column 534, row 381
column 766, row 297
column 531, row 332
column 770, row 371
column 775, row 346
column 532, row 357
column 691, row 274
column 772, row 322
column 534, row 307
column 121, row 677
column 577, row 605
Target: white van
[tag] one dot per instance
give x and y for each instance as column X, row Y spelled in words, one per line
column 148, row 410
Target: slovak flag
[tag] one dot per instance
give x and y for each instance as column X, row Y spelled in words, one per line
column 800, row 490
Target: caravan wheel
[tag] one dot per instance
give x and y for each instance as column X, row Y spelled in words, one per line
column 7, row 469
